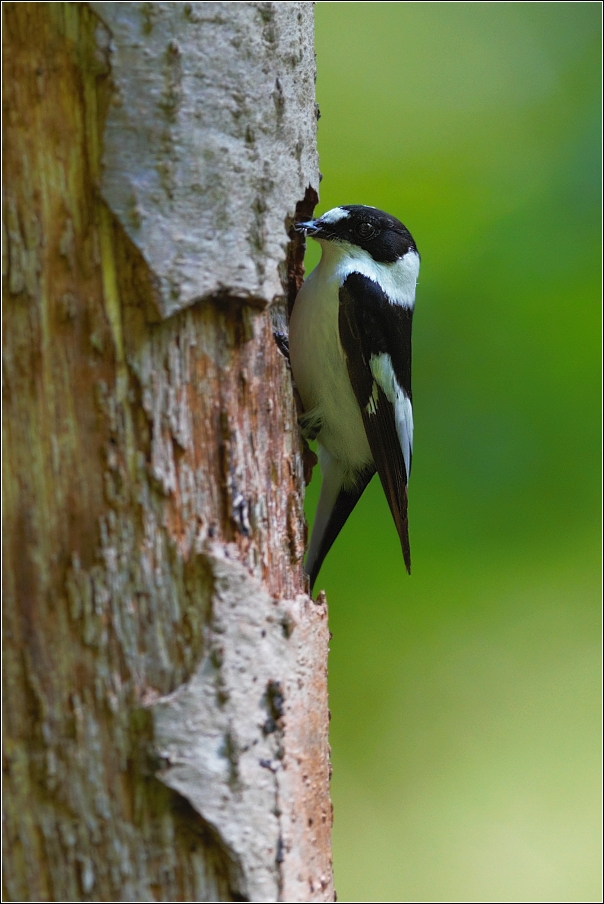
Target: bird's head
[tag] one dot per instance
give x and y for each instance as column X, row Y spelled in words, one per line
column 379, row 234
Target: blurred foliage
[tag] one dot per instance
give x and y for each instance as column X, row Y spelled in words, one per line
column 465, row 698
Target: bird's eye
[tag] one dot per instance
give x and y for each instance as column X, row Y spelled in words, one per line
column 365, row 230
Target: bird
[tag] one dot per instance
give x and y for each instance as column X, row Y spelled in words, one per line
column 350, row 356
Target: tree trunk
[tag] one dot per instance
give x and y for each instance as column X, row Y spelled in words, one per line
column 165, row 670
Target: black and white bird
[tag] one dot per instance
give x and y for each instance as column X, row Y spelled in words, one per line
column 350, row 353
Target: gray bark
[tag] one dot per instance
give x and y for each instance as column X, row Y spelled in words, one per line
column 164, row 670
column 210, row 140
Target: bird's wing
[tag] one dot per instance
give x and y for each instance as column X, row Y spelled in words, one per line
column 376, row 339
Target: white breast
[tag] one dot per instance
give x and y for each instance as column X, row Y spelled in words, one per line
column 320, row 371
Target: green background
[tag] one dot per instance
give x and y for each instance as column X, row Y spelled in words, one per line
column 464, row 699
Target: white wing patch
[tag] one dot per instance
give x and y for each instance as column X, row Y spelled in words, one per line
column 384, row 376
column 371, row 406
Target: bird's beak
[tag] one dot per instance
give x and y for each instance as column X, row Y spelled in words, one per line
column 308, row 227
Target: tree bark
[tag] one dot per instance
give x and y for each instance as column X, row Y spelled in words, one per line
column 164, row 669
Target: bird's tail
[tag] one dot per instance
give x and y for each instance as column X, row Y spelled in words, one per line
column 336, row 502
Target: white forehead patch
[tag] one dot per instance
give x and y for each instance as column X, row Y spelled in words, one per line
column 333, row 215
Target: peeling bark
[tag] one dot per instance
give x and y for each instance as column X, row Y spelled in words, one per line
column 164, row 669
column 209, row 140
